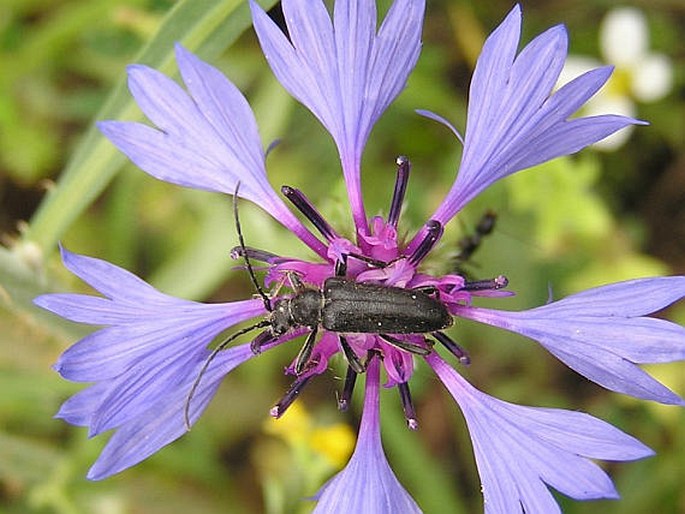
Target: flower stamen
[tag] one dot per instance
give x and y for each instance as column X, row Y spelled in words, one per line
column 290, row 396
column 408, row 406
column 433, row 232
column 302, row 203
column 453, row 347
column 348, row 389
column 498, row 282
column 403, row 168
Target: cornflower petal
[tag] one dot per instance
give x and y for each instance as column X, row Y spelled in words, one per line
column 144, row 360
column 163, row 422
column 344, row 71
column 513, row 121
column 207, row 138
column 367, row 484
column 144, row 324
column 522, row 450
column 603, row 334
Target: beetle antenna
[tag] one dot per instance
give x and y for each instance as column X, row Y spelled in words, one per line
column 241, row 240
column 186, row 409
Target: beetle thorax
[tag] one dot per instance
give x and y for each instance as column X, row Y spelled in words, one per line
column 306, row 307
column 302, row 310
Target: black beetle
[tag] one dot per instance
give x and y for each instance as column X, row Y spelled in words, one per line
column 345, row 306
column 342, row 306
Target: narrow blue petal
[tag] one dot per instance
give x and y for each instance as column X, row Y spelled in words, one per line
column 611, row 371
column 143, row 362
column 164, row 422
column 344, row 71
column 367, row 484
column 110, row 280
column 601, row 334
column 521, row 450
column 112, row 351
column 79, row 408
column 490, row 76
column 133, row 393
column 206, row 138
column 82, row 308
column 514, row 119
column 567, row 138
column 443, row 121
column 571, row 97
column 232, row 118
column 622, row 299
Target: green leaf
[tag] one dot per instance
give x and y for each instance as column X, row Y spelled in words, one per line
column 207, row 27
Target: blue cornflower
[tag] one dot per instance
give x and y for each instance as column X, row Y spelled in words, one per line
column 147, row 359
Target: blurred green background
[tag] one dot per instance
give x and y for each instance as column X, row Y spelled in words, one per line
column 602, row 216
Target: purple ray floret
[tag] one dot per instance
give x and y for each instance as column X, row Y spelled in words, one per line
column 514, row 120
column 206, row 137
column 368, row 469
column 344, row 70
column 603, row 333
column 522, row 450
column 142, row 360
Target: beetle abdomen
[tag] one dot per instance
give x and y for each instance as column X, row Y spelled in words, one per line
column 370, row 308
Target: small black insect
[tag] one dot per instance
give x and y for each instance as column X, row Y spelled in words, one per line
column 469, row 244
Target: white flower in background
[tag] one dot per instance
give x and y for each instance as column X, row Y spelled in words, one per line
column 640, row 75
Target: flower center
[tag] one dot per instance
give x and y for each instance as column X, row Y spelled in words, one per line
column 366, row 301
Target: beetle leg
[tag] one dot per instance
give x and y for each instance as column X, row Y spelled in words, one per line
column 352, row 358
column 427, row 290
column 405, row 345
column 305, row 352
column 262, row 339
column 295, row 281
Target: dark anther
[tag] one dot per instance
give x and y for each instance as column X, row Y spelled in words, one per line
column 407, row 346
column 408, row 406
column 352, row 358
column 253, row 254
column 262, row 339
column 481, row 285
column 290, row 396
column 299, row 200
column 348, row 389
column 453, row 347
column 433, row 234
column 403, row 168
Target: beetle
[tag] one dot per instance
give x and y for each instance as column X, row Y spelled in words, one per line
column 341, row 306
column 345, row 306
